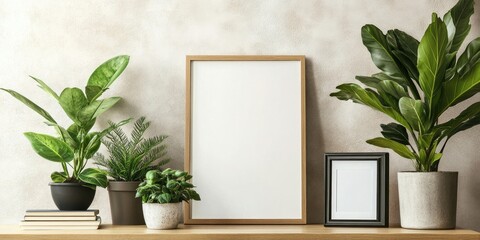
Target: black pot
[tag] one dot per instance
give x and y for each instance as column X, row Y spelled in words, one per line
column 72, row 196
column 125, row 208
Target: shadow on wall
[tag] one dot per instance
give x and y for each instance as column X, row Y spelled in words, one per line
column 315, row 150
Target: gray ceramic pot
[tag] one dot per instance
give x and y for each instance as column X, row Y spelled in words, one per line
column 428, row 200
column 72, row 196
column 125, row 208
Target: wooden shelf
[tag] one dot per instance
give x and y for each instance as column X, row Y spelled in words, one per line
column 204, row 232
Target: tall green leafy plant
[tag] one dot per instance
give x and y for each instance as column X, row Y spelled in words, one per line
column 131, row 158
column 76, row 143
column 418, row 82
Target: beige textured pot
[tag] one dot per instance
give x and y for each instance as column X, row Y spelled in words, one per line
column 162, row 216
column 428, row 200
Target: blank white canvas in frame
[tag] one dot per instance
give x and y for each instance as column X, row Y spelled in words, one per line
column 354, row 190
column 246, row 136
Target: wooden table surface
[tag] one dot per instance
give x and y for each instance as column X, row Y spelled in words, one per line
column 203, row 232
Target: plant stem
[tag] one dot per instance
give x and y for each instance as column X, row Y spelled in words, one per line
column 444, row 144
column 65, row 169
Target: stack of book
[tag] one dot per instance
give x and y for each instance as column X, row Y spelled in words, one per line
column 61, row 220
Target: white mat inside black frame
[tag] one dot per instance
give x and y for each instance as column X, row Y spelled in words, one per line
column 356, row 189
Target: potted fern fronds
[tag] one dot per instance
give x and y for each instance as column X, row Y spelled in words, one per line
column 127, row 164
column 418, row 82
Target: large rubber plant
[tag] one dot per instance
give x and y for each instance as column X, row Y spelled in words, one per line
column 76, row 143
column 418, row 82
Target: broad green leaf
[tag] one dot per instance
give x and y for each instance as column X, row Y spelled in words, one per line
column 376, row 43
column 457, row 21
column 399, row 148
column 410, row 66
column 30, row 104
column 93, row 144
column 469, row 58
column 413, row 111
column 408, row 45
column 64, row 135
column 194, row 195
column 50, row 147
column 369, row 81
column 73, row 101
column 357, row 94
column 172, row 184
column 94, row 176
column 392, row 88
column 459, row 89
column 432, row 61
column 94, row 109
column 104, row 76
column 395, row 132
column 164, row 198
column 58, row 177
column 466, row 119
column 425, row 141
column 45, row 87
column 404, row 48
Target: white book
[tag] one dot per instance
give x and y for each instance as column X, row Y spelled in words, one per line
column 59, row 227
column 60, row 218
column 61, row 223
column 56, row 213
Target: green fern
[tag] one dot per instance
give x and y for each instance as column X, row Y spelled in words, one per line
column 131, row 158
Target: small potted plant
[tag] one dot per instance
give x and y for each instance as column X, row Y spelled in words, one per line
column 128, row 162
column 418, row 82
column 73, row 188
column 162, row 194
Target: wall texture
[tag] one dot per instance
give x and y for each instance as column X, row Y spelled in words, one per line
column 62, row 42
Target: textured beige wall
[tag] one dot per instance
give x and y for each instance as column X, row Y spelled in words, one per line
column 62, row 42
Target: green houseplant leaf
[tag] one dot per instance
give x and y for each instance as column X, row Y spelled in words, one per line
column 457, row 21
column 30, row 104
column 104, row 76
column 469, row 58
column 50, row 147
column 432, row 60
column 94, row 109
column 413, row 111
column 376, row 42
column 399, row 148
column 395, row 132
column 46, row 88
column 58, row 177
column 460, row 89
column 73, row 101
column 94, row 176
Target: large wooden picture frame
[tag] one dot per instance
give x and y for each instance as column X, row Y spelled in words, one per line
column 245, row 139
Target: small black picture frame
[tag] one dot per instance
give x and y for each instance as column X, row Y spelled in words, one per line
column 356, row 189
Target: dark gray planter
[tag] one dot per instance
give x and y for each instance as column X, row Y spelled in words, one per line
column 72, row 196
column 428, row 200
column 125, row 208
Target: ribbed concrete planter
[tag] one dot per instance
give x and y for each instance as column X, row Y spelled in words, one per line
column 428, row 200
column 125, row 208
column 162, row 216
